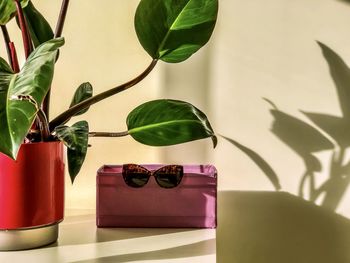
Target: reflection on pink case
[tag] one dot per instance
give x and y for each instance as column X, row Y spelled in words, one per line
column 190, row 204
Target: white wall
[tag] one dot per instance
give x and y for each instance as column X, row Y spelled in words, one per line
column 259, row 49
column 268, row 49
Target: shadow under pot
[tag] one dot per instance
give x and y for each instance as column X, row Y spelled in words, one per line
column 31, row 196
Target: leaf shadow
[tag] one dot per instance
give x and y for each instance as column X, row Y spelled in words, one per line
column 344, row 1
column 259, row 161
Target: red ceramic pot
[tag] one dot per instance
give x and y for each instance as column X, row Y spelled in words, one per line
column 32, row 189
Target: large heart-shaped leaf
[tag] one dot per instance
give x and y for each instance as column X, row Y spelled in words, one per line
column 175, row 29
column 23, row 93
column 168, row 122
column 76, row 140
column 83, row 92
column 8, row 10
column 40, row 30
column 340, row 73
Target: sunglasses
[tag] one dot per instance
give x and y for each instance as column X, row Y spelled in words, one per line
column 137, row 176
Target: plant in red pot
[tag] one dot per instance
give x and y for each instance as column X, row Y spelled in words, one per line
column 31, row 144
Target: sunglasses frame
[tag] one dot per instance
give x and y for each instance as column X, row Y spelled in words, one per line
column 179, row 172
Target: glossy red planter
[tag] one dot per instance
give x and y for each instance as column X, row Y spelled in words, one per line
column 32, row 187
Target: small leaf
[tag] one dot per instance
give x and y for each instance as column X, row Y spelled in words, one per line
column 76, row 139
column 340, row 73
column 6, row 75
column 8, row 10
column 23, row 93
column 83, row 92
column 168, row 122
column 175, row 29
column 40, row 30
column 259, row 161
column 5, row 67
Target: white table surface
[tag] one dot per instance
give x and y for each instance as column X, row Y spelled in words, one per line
column 80, row 241
column 253, row 227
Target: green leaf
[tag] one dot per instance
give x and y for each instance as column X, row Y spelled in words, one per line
column 23, row 93
column 5, row 67
column 5, row 75
column 168, row 122
column 340, row 73
column 83, row 92
column 8, row 10
column 76, row 139
column 259, row 161
column 39, row 28
column 175, row 29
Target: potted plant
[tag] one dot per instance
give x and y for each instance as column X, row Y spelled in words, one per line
column 31, row 143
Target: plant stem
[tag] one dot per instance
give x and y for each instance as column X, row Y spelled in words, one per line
column 43, row 125
column 61, row 18
column 7, row 40
column 104, row 95
column 28, row 48
column 14, row 59
column 108, row 134
column 58, row 33
column 46, row 103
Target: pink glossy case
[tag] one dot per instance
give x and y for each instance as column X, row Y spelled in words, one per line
column 191, row 204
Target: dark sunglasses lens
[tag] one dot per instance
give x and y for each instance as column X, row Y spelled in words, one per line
column 135, row 176
column 169, row 176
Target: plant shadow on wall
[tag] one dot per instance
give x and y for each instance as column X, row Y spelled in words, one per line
column 330, row 133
